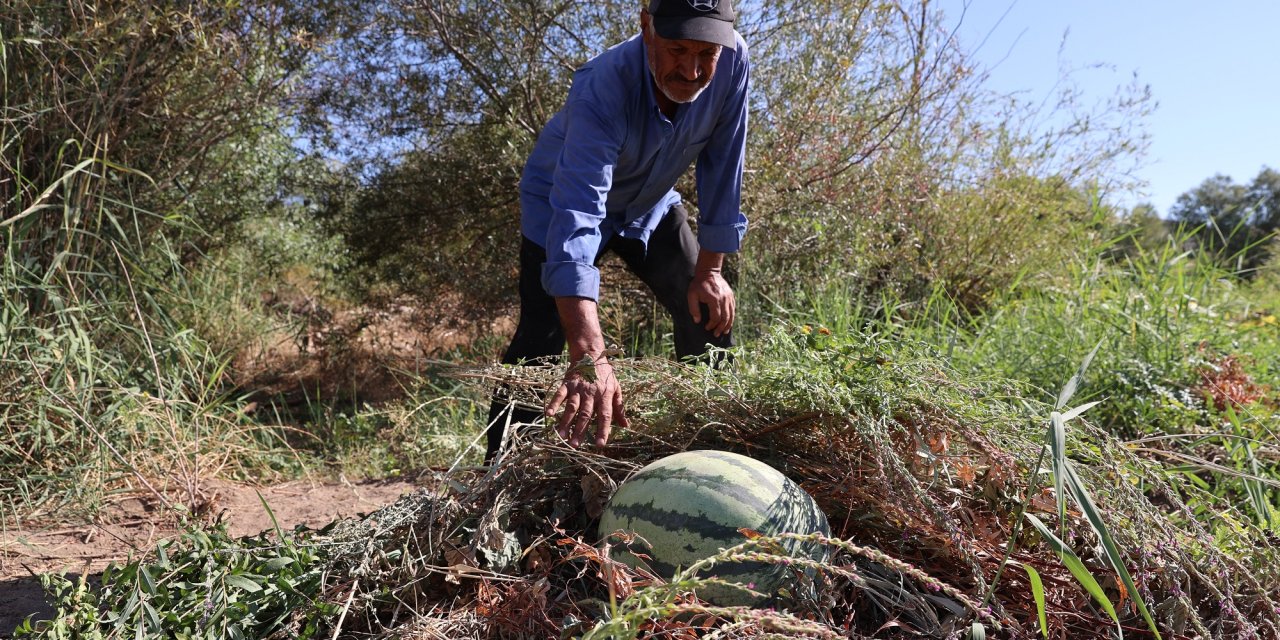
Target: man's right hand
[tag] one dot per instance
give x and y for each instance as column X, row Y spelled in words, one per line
column 590, row 390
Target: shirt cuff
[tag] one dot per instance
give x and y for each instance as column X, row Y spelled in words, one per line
column 721, row 238
column 571, row 279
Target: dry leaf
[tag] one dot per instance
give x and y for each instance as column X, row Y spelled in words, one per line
column 460, row 561
column 1124, row 593
column 616, row 577
column 938, row 442
column 537, row 559
column 595, row 494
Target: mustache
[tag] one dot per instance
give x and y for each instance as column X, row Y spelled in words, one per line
column 676, row 78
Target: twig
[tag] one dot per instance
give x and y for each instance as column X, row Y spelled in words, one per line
column 337, row 628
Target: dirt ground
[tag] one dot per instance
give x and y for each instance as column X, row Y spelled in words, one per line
column 133, row 526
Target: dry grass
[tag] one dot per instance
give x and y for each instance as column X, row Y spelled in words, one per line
column 922, row 478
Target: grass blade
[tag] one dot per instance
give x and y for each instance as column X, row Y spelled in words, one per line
column 1114, row 558
column 1057, row 438
column 977, row 631
column 1066, row 417
column 1077, row 569
column 272, row 514
column 1037, row 592
column 1069, row 389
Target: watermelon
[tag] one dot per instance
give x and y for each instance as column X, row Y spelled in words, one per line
column 689, row 506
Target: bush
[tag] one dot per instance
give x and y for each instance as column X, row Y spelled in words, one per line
column 127, row 131
column 175, row 94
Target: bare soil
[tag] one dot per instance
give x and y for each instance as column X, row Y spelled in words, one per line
column 356, row 355
column 131, row 527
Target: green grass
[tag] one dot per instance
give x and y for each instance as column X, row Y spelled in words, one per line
column 855, row 399
column 104, row 389
column 438, row 423
column 1185, row 369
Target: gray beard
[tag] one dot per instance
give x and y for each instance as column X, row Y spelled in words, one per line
column 663, row 87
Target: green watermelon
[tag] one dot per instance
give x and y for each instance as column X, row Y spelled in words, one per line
column 689, row 506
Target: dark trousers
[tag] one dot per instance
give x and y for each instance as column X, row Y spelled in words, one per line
column 666, row 268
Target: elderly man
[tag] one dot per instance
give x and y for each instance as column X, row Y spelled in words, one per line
column 601, row 178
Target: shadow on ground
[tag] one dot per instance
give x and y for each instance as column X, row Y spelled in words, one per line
column 23, row 597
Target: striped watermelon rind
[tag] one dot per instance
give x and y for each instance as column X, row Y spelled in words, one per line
column 690, row 505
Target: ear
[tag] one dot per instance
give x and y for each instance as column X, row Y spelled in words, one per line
column 645, row 19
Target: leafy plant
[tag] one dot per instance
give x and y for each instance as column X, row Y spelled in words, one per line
column 205, row 584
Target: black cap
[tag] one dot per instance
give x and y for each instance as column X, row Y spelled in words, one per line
column 703, row 20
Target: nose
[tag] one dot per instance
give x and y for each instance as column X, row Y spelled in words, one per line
column 688, row 68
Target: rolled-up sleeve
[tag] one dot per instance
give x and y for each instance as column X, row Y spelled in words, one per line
column 721, row 223
column 583, row 176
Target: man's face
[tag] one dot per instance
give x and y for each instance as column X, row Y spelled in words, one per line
column 681, row 68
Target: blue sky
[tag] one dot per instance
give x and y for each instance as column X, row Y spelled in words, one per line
column 1213, row 69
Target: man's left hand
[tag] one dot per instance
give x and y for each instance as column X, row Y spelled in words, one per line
column 710, row 288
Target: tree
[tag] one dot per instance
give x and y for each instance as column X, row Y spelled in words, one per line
column 114, row 117
column 1140, row 231
column 1233, row 221
column 431, row 106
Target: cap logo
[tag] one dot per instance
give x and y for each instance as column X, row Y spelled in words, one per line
column 704, row 5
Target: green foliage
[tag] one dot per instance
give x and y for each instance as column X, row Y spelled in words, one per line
column 392, row 76
column 182, row 95
column 107, row 110
column 1151, row 315
column 1234, row 221
column 103, row 385
column 456, row 92
column 106, row 388
column 850, row 400
column 1067, row 483
column 437, row 222
column 879, row 162
column 1172, row 331
column 1078, row 570
column 203, row 585
column 825, row 403
column 130, row 137
column 437, row 424
column 1141, row 231
column 956, row 259
column 1037, row 593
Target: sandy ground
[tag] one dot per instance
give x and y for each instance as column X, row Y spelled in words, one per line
column 131, row 527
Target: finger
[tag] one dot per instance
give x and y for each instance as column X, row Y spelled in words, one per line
column 732, row 314
column 694, row 307
column 704, row 310
column 715, row 316
column 604, row 420
column 565, row 425
column 619, row 410
column 554, row 404
column 714, row 325
column 726, row 322
column 722, row 316
column 583, row 420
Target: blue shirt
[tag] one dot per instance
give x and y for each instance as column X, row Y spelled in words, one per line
column 608, row 162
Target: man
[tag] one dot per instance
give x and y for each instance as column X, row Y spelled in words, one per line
column 601, row 177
